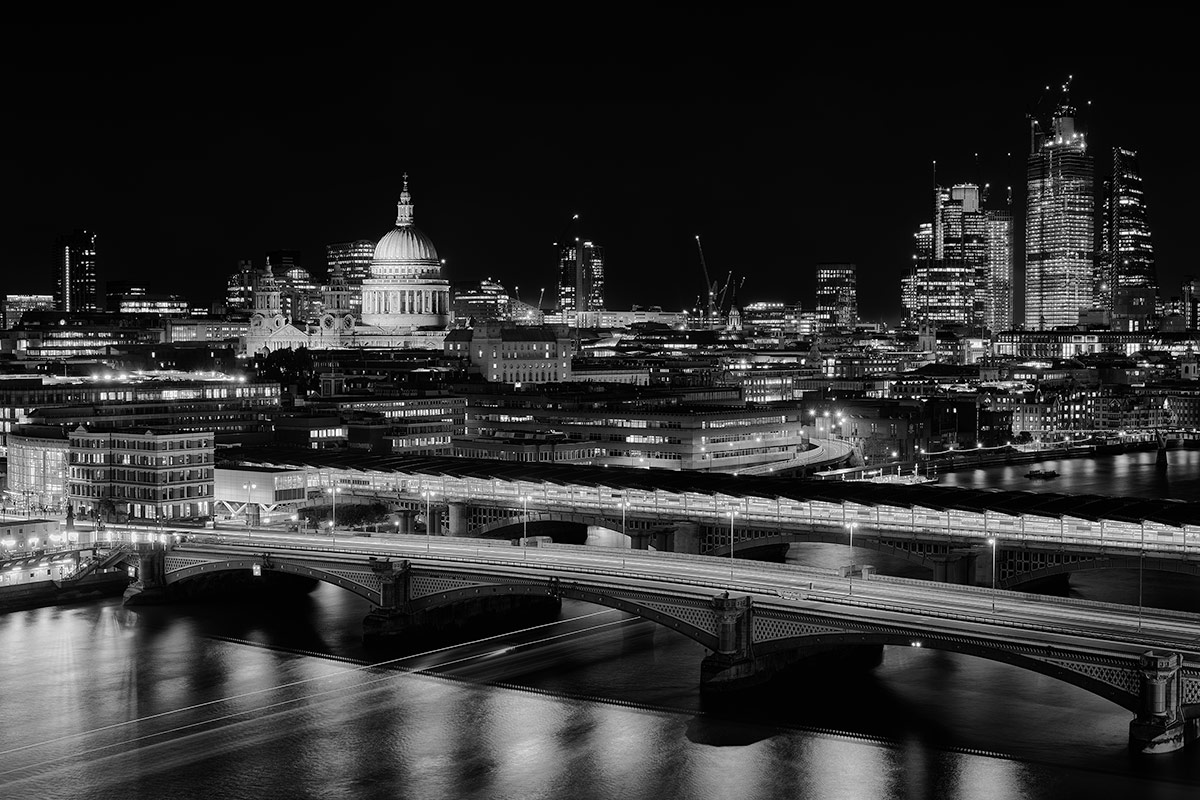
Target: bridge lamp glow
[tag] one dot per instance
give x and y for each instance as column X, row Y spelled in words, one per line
column 525, row 528
column 915, row 644
column 257, row 570
column 992, row 542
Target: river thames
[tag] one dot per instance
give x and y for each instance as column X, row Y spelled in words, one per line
column 276, row 697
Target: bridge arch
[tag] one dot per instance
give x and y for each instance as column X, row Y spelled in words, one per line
column 642, row 606
column 1127, row 698
column 273, row 565
column 516, row 522
column 880, row 545
column 1130, row 562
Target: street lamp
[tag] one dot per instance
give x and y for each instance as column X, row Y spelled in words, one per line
column 992, row 542
column 525, row 528
column 428, row 495
column 851, row 559
column 296, row 522
column 732, row 514
column 333, row 521
column 248, row 487
column 1141, row 560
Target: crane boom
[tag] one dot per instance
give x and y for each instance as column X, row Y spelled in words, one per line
column 710, row 287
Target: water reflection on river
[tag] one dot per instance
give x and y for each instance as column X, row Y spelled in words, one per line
column 271, row 699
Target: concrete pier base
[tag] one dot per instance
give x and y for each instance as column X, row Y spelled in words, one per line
column 139, row 594
column 1152, row 737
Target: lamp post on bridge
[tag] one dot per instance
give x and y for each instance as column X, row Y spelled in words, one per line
column 992, row 542
column 851, row 559
column 428, row 495
column 248, row 487
column 732, row 513
column 1141, row 561
column 333, row 492
column 525, row 528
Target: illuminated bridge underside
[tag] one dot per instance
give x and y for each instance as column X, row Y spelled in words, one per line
column 778, row 625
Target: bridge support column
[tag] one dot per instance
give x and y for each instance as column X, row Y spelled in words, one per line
column 1159, row 726
column 390, row 617
column 640, row 540
column 434, row 523
column 687, row 538
column 957, row 566
column 459, row 513
column 663, row 540
column 406, row 521
column 150, row 587
column 732, row 665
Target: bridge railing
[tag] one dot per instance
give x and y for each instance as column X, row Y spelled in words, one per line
column 774, row 596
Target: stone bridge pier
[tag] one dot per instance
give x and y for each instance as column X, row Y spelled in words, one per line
column 732, row 665
column 150, row 588
column 1160, row 725
column 397, row 616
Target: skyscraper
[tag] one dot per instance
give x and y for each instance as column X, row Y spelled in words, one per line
column 1127, row 282
column 570, row 281
column 1059, row 224
column 998, row 315
column 75, row 286
column 962, row 268
column 837, row 296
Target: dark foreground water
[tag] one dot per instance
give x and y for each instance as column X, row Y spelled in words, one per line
column 273, row 699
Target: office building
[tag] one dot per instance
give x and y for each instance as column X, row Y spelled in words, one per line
column 141, row 473
column 1127, row 283
column 837, row 296
column 75, row 261
column 15, row 306
column 998, row 311
column 581, row 269
column 1059, row 224
column 354, row 261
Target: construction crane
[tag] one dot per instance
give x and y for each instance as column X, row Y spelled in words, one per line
column 541, row 294
column 710, row 287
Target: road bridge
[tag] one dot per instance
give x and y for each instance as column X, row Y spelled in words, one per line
column 754, row 618
column 1035, row 535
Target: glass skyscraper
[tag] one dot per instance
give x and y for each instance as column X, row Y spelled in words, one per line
column 593, row 278
column 1127, row 282
column 1059, row 225
column 75, row 286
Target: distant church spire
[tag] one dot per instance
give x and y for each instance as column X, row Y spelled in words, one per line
column 404, row 209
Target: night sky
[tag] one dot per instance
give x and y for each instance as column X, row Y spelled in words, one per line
column 782, row 142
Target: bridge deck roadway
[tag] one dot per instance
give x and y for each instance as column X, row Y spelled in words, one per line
column 920, row 608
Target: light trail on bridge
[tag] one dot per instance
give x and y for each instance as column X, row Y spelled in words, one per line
column 1038, row 619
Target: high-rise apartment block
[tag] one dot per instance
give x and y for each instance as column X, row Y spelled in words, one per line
column 1059, row 224
column 837, row 296
column 581, row 272
column 76, row 287
column 1127, row 282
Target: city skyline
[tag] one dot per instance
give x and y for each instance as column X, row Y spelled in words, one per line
column 207, row 160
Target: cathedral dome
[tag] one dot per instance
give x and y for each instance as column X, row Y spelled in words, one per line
column 405, row 243
column 404, row 251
